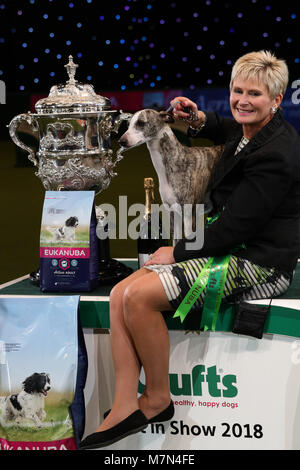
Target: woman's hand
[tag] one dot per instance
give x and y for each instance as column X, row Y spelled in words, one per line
column 183, row 103
column 163, row 255
column 178, row 111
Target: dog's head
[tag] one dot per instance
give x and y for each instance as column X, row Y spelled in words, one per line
column 71, row 222
column 144, row 126
column 37, row 383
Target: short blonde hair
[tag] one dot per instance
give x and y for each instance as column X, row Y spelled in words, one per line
column 264, row 67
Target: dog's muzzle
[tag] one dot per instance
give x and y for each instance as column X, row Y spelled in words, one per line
column 123, row 142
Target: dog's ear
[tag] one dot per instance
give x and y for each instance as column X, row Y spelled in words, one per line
column 166, row 117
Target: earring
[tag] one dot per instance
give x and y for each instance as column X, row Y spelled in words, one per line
column 274, row 109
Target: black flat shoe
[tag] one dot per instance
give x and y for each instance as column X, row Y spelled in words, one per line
column 134, row 423
column 164, row 415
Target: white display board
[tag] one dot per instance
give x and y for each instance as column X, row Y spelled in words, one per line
column 230, row 392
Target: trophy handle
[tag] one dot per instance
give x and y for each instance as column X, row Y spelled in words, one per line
column 108, row 125
column 120, row 118
column 13, row 127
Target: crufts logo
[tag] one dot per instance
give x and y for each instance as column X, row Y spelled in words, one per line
column 201, row 381
column 2, row 92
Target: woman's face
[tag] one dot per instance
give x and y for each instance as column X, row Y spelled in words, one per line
column 251, row 105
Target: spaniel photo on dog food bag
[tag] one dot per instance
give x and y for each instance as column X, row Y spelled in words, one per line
column 43, row 367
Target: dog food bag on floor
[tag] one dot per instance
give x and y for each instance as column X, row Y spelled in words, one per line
column 68, row 242
column 43, row 369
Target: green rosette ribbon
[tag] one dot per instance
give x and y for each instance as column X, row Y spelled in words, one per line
column 194, row 292
column 213, row 276
column 214, row 292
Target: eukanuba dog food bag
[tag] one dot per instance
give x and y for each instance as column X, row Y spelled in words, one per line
column 68, row 242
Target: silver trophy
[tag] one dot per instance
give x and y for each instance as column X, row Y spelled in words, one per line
column 74, row 127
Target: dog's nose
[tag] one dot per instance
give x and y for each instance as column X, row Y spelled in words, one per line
column 123, row 142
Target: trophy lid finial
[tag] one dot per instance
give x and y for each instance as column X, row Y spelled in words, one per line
column 71, row 70
column 72, row 97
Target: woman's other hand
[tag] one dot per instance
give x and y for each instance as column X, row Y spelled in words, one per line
column 163, row 255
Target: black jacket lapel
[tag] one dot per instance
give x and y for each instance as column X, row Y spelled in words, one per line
column 229, row 160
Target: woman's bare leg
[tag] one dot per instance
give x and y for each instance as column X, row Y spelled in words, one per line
column 139, row 335
column 143, row 304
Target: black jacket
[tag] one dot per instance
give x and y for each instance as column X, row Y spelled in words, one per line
column 259, row 189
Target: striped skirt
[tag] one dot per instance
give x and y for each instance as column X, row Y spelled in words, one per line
column 245, row 281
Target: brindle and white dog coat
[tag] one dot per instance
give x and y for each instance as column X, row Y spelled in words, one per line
column 183, row 172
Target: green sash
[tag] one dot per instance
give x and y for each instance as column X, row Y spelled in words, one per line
column 214, row 292
column 212, row 275
column 194, row 292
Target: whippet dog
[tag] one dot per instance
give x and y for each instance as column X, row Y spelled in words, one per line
column 183, row 172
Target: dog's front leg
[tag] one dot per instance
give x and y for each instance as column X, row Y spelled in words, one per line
column 172, row 227
column 187, row 222
column 41, row 414
column 176, row 218
column 34, row 417
column 37, row 421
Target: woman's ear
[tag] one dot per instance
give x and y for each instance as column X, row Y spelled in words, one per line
column 166, row 117
column 278, row 100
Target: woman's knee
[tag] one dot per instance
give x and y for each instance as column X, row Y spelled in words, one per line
column 141, row 297
column 117, row 296
column 117, row 292
column 130, row 294
column 132, row 300
column 116, row 303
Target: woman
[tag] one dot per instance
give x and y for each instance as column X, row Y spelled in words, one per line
column 255, row 193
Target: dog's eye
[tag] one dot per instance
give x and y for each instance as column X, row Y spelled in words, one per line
column 140, row 123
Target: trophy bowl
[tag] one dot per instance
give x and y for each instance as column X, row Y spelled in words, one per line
column 74, row 126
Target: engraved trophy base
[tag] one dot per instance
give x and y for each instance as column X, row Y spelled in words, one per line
column 34, row 278
column 111, row 271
